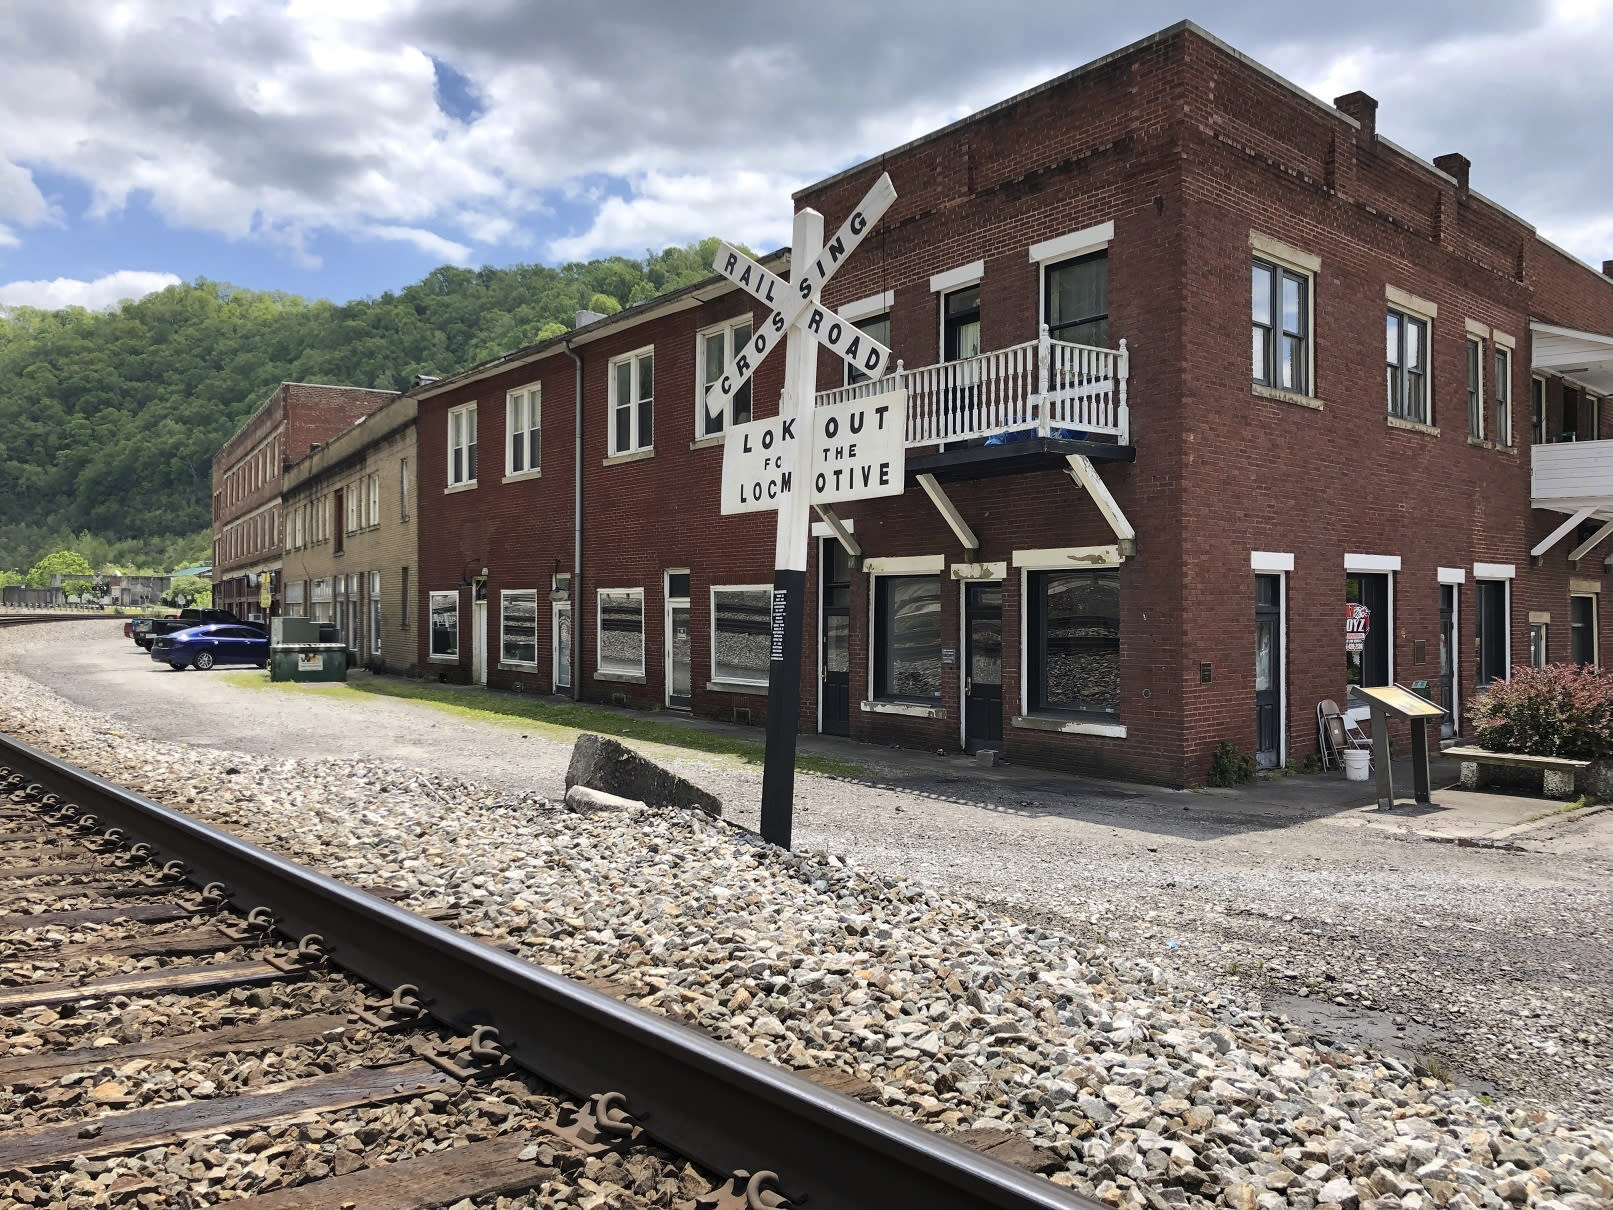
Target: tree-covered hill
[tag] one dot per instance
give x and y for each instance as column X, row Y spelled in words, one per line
column 109, row 420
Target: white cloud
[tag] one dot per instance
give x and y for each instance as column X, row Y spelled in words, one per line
column 100, row 294
column 428, row 242
column 8, row 237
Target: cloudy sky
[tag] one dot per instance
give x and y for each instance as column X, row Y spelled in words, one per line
column 339, row 148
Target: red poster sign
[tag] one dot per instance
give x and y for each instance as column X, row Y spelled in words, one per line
column 1357, row 620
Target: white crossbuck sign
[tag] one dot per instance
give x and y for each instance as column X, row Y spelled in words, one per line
column 797, row 303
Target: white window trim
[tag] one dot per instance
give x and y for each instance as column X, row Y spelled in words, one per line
column 1495, row 571
column 1072, row 244
column 534, row 393
column 865, row 308
column 599, row 633
column 505, row 594
column 639, row 446
column 1453, row 575
column 375, row 612
column 715, row 589
column 1025, row 720
column 701, row 416
column 960, row 278
column 905, row 565
column 462, row 484
column 1270, row 561
column 1545, row 638
column 820, row 529
column 1481, row 572
column 1068, row 558
column 1473, row 338
column 1405, row 301
column 1370, row 563
column 431, row 609
column 1270, row 248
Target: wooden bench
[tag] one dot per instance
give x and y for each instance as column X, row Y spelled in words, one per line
column 1557, row 772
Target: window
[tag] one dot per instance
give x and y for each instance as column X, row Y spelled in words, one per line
column 403, row 489
column 462, row 445
column 1408, row 366
column 876, row 326
column 1537, row 644
column 355, row 509
column 1367, row 635
column 1075, row 300
column 375, row 613
column 1591, row 421
column 294, row 599
column 1582, row 630
column 714, row 348
column 1475, row 387
column 1280, row 322
column 336, row 507
column 521, row 412
column 518, row 627
column 1503, row 396
column 319, row 595
column 444, row 625
column 403, row 602
column 1537, row 401
column 741, row 633
column 621, row 632
column 1074, row 641
column 372, row 499
column 632, row 402
column 1492, row 631
column 960, row 324
column 907, row 638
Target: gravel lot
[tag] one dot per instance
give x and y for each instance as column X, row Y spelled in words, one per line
column 1124, row 1024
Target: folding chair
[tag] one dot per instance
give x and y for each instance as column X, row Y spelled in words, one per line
column 1338, row 731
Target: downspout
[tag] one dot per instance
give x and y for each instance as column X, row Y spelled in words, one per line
column 576, row 541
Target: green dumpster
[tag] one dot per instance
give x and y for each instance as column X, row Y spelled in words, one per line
column 301, row 649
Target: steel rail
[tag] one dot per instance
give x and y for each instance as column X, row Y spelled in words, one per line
column 722, row 1108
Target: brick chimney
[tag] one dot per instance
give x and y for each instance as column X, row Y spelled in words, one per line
column 1364, row 109
column 1457, row 165
column 1607, row 268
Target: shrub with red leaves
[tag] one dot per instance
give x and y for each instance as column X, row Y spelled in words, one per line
column 1559, row 710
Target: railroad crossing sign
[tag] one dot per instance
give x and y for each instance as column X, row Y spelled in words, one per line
column 856, row 450
column 801, row 321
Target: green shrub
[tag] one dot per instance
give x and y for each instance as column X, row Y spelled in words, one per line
column 1559, row 710
column 1229, row 767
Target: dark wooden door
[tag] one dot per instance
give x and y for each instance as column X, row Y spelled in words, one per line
column 835, row 628
column 983, row 666
column 1268, row 671
column 1447, row 658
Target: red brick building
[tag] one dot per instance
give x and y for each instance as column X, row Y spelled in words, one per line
column 248, row 539
column 1197, row 365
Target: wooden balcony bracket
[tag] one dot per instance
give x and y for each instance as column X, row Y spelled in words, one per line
column 950, row 514
column 1561, row 532
column 838, row 529
column 1585, row 547
column 1086, row 476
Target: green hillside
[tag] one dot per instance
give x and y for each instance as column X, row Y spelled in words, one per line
column 109, row 420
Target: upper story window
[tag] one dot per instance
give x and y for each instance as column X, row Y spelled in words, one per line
column 632, row 402
column 372, row 499
column 1280, row 323
column 354, row 509
column 714, row 348
column 522, row 416
column 1503, row 395
column 1475, row 387
column 462, row 445
column 876, row 326
column 403, row 489
column 1537, row 401
column 1075, row 300
column 1408, row 366
column 960, row 324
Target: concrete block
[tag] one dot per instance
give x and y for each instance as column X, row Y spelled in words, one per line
column 1557, row 783
column 604, row 764
column 1472, row 775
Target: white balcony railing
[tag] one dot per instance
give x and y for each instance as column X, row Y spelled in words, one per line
column 1570, row 475
column 1046, row 387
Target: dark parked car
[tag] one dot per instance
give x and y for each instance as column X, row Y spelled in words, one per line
column 146, row 629
column 204, row 647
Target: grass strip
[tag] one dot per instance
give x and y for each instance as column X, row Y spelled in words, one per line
column 560, row 721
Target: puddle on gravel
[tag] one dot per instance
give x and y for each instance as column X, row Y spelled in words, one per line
column 1361, row 1027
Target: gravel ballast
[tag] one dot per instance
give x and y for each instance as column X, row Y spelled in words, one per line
column 1149, row 1089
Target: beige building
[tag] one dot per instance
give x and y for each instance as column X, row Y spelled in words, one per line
column 351, row 551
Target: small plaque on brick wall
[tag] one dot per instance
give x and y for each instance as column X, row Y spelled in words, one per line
column 1419, row 651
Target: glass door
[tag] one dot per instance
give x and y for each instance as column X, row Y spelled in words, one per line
column 983, row 666
column 1268, row 671
column 834, row 697
column 678, row 641
column 562, row 646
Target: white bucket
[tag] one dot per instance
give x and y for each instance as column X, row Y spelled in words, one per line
column 1357, row 764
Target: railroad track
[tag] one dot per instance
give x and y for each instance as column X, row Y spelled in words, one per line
column 189, row 1015
column 25, row 619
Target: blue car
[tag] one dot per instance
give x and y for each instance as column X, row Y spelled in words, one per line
column 216, row 643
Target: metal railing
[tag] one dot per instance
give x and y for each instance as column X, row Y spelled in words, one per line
column 1046, row 387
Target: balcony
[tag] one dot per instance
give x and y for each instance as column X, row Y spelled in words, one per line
column 1574, row 478
column 1043, row 388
